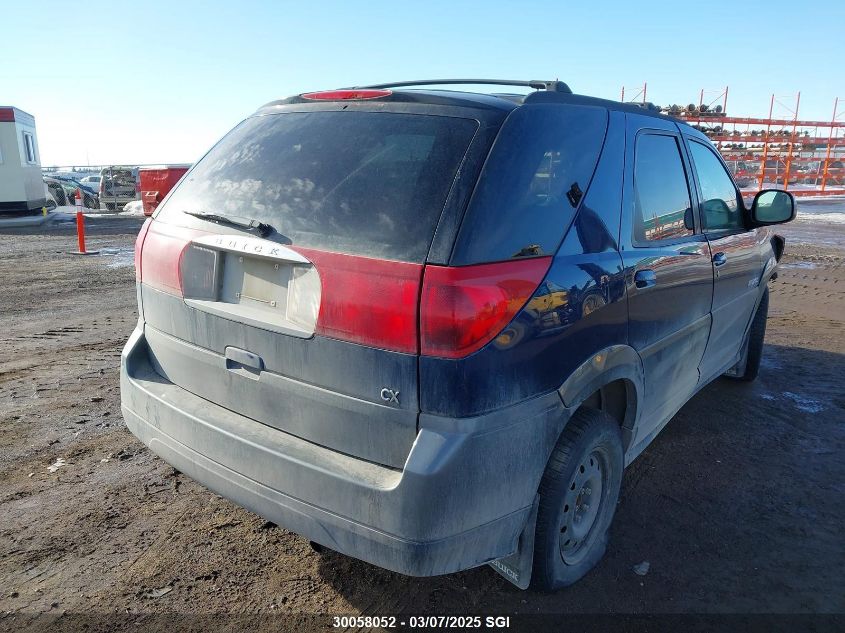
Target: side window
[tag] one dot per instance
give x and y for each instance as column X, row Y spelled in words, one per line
column 29, row 147
column 532, row 183
column 661, row 194
column 720, row 201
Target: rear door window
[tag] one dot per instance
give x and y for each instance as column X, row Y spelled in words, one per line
column 538, row 170
column 661, row 192
column 364, row 183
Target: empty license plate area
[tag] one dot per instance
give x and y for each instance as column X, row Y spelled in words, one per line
column 257, row 283
column 252, row 281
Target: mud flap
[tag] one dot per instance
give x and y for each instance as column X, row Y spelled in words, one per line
column 517, row 567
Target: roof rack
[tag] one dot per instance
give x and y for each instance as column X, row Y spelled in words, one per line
column 537, row 84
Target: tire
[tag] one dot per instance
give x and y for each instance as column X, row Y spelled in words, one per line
column 588, row 455
column 510, row 336
column 756, row 335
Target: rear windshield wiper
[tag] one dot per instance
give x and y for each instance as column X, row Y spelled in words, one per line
column 249, row 224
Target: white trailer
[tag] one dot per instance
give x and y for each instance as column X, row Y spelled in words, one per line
column 21, row 184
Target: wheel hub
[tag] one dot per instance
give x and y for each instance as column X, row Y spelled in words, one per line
column 581, row 506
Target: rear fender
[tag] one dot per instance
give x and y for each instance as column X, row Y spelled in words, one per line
column 618, row 362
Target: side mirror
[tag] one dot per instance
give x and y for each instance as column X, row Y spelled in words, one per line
column 689, row 223
column 717, row 214
column 772, row 206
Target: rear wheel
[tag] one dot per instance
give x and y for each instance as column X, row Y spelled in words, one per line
column 578, row 495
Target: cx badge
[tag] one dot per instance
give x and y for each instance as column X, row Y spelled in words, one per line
column 388, row 395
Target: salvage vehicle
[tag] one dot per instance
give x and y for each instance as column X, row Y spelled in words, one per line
column 92, row 182
column 56, row 191
column 71, row 186
column 429, row 328
column 118, row 185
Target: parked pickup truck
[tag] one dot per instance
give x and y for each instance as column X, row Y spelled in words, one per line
column 429, row 329
column 118, row 185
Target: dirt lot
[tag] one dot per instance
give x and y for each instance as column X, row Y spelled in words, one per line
column 737, row 506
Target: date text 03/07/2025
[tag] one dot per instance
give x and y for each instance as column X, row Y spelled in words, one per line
column 423, row 621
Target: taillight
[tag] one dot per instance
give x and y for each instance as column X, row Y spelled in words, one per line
column 362, row 300
column 464, row 308
column 368, row 301
column 342, row 95
column 161, row 254
column 139, row 245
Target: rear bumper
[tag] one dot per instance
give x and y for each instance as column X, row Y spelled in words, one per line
column 460, row 501
column 116, row 201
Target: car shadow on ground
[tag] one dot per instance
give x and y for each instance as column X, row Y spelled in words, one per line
column 730, row 505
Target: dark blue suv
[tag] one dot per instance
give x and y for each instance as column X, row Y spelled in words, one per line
column 429, row 328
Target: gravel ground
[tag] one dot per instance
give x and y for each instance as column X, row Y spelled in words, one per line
column 737, row 506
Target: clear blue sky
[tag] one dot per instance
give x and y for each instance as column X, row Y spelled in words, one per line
column 148, row 81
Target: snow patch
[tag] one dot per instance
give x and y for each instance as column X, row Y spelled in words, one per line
column 802, row 265
column 804, row 404
column 57, row 464
column 119, row 257
column 834, row 218
column 136, row 207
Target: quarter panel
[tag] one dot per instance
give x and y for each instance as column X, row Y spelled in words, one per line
column 579, row 308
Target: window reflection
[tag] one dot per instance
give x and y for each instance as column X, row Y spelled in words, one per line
column 357, row 182
column 662, row 200
column 720, row 206
column 532, row 183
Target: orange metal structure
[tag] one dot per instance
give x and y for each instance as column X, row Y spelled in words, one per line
column 790, row 153
column 805, row 157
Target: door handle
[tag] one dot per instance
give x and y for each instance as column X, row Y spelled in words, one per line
column 720, row 259
column 645, row 278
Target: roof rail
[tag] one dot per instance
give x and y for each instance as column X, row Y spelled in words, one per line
column 537, row 84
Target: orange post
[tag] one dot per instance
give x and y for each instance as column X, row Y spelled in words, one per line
column 80, row 223
column 766, row 144
column 829, row 143
column 791, row 145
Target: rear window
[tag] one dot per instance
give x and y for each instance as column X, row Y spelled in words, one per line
column 532, row 183
column 365, row 183
column 119, row 177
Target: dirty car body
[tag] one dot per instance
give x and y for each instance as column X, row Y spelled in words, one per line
column 369, row 317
